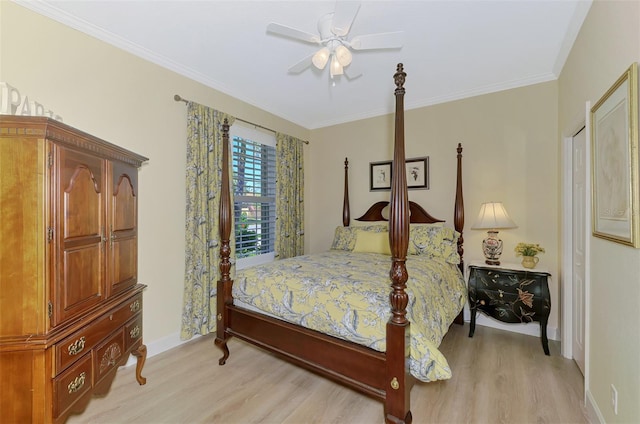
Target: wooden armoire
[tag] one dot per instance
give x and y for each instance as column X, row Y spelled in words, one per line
column 70, row 301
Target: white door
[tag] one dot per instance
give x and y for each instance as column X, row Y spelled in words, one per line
column 579, row 231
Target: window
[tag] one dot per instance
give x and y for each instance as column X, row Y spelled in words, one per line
column 254, row 185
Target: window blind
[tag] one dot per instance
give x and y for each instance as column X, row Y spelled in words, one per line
column 254, row 182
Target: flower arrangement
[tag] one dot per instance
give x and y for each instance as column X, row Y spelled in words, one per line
column 528, row 249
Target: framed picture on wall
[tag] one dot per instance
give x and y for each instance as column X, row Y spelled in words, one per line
column 380, row 175
column 418, row 172
column 614, row 155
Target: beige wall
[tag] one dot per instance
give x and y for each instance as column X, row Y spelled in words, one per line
column 128, row 101
column 609, row 41
column 510, row 155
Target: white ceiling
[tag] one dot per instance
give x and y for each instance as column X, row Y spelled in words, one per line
column 453, row 49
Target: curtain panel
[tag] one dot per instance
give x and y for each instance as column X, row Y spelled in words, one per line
column 289, row 196
column 202, row 238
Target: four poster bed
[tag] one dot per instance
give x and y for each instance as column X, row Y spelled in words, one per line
column 349, row 286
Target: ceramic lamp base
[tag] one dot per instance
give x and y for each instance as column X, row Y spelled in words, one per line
column 492, row 248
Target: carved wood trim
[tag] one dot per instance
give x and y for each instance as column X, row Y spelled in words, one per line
column 417, row 214
column 65, row 135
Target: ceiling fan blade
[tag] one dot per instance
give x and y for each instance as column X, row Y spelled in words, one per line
column 292, row 33
column 343, row 16
column 384, row 40
column 302, row 65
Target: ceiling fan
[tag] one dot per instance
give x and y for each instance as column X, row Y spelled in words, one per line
column 333, row 29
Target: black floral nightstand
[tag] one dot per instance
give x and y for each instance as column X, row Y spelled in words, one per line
column 510, row 294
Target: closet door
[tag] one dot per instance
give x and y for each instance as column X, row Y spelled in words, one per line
column 79, row 205
column 123, row 228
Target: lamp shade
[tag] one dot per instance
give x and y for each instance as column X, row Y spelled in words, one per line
column 343, row 55
column 335, row 68
column 493, row 216
column 321, row 57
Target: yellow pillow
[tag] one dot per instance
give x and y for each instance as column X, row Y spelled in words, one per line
column 372, row 242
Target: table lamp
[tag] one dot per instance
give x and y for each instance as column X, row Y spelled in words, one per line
column 493, row 217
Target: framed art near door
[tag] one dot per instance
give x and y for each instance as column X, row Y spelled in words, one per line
column 614, row 153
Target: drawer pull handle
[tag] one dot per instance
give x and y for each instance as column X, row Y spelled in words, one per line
column 135, row 332
column 135, row 306
column 77, row 383
column 77, row 346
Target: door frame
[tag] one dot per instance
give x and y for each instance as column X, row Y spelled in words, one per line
column 567, row 239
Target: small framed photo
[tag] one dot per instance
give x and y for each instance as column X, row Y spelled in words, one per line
column 614, row 155
column 418, row 173
column 380, row 175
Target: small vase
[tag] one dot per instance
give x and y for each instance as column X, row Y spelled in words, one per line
column 530, row 261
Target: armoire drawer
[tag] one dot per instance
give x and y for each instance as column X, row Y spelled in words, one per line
column 108, row 355
column 74, row 346
column 72, row 384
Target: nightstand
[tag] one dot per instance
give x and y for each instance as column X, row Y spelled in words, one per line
column 510, row 293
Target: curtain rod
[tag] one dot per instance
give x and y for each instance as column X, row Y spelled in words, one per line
column 177, row 98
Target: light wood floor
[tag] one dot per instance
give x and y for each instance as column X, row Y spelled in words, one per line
column 498, row 377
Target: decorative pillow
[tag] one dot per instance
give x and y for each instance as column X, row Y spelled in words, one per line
column 436, row 242
column 344, row 238
column 368, row 226
column 374, row 242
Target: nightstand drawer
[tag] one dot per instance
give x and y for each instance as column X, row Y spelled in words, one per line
column 502, row 305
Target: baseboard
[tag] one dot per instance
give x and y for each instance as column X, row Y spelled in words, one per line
column 530, row 329
column 593, row 412
column 161, row 345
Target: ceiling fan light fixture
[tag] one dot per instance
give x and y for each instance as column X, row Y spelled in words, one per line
column 336, row 67
column 334, row 43
column 343, row 55
column 321, row 57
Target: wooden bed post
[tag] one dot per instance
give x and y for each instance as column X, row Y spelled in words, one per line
column 346, row 217
column 398, row 380
column 225, row 283
column 458, row 221
column 458, row 216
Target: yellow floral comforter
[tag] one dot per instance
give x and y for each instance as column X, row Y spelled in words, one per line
column 346, row 295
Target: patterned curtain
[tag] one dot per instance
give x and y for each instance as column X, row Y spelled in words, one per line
column 202, row 271
column 289, row 196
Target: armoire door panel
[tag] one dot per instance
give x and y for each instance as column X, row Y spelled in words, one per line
column 82, row 276
column 82, row 203
column 124, row 205
column 124, row 269
column 80, row 272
